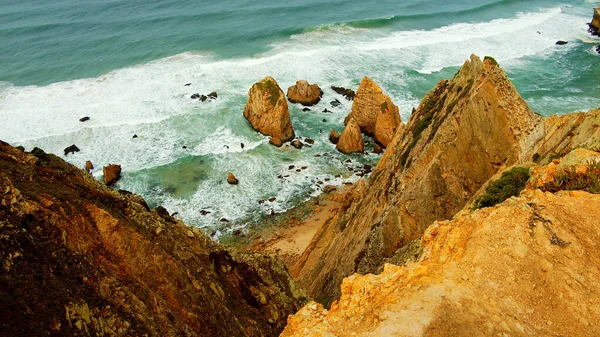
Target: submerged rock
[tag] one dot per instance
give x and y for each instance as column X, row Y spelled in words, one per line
column 347, row 93
column 561, row 43
column 267, row 111
column 297, row 144
column 84, row 119
column 304, row 93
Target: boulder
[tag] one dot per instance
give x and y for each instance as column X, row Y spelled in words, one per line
column 351, row 139
column 195, row 96
column 213, row 95
column 84, row 119
column 334, row 136
column 335, row 103
column 112, row 174
column 297, row 144
column 595, row 24
column 231, row 179
column 561, row 42
column 304, row 93
column 89, row 166
column 71, row 149
column 267, row 111
column 375, row 113
column 377, row 149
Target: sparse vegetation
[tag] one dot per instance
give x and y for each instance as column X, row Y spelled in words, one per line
column 491, row 59
column 571, row 180
column 509, row 185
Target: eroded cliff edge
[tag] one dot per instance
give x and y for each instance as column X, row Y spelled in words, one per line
column 465, row 131
column 79, row 258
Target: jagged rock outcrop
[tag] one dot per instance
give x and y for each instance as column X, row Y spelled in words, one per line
column 375, row 113
column 351, row 139
column 304, row 93
column 81, row 259
column 334, row 136
column 112, row 174
column 526, row 267
column 462, row 133
column 595, row 24
column 267, row 111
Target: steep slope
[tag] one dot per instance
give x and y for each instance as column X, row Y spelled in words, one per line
column 79, row 258
column 526, row 267
column 462, row 133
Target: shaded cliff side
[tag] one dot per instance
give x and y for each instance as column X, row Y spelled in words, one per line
column 462, row 133
column 79, row 258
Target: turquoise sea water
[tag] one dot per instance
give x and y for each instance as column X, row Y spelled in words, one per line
column 125, row 63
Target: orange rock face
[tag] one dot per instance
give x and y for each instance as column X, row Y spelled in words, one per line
column 267, row 111
column 526, row 267
column 375, row 113
column 112, row 174
column 351, row 139
column 79, row 258
column 304, row 93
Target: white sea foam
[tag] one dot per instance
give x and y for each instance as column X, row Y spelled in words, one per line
column 152, row 102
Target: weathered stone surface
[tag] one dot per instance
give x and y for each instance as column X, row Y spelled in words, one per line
column 231, row 179
column 297, row 144
column 267, row 111
column 424, row 174
column 112, row 174
column 522, row 256
column 334, row 136
column 375, row 113
column 80, row 259
column 351, row 139
column 304, row 93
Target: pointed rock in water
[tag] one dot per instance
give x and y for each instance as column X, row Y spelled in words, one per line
column 134, row 136
column 213, row 95
column 112, row 174
column 267, row 111
column 334, row 136
column 375, row 113
column 326, row 111
column 84, row 119
column 71, row 149
column 351, row 140
column 89, row 166
column 304, row 93
column 203, row 98
column 231, row 179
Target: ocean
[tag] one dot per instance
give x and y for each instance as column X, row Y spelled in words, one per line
column 125, row 65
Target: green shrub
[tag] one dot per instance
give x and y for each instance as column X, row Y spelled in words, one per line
column 509, row 185
column 492, row 60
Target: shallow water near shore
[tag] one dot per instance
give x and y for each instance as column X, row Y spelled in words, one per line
column 125, row 66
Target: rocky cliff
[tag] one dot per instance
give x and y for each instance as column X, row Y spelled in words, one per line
column 526, row 267
column 79, row 258
column 462, row 133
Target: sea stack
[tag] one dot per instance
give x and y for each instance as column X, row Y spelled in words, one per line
column 304, row 93
column 267, row 111
column 112, row 174
column 375, row 112
column 595, row 24
column 351, row 139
